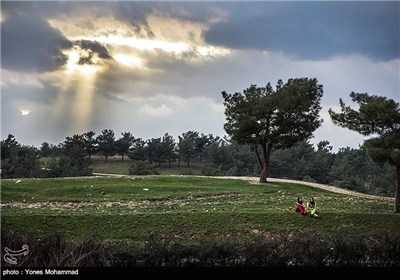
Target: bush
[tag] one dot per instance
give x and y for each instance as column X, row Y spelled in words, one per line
column 308, row 178
column 55, row 251
column 210, row 170
column 142, row 168
column 283, row 250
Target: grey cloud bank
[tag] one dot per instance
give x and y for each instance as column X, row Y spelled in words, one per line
column 312, row 30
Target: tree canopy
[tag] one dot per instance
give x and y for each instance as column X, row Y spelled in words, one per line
column 380, row 117
column 270, row 117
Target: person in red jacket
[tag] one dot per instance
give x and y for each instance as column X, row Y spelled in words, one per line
column 300, row 207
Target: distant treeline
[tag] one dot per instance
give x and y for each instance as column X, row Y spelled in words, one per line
column 348, row 168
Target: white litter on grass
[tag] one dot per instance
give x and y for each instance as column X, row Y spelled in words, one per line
column 145, row 189
column 18, row 181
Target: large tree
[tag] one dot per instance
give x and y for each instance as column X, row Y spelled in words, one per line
column 18, row 160
column 169, row 144
column 270, row 117
column 187, row 148
column 155, row 150
column 90, row 143
column 106, row 143
column 138, row 151
column 74, row 162
column 380, row 117
column 74, row 147
column 45, row 149
column 123, row 144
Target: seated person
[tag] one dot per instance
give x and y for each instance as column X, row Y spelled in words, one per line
column 300, row 206
column 312, row 207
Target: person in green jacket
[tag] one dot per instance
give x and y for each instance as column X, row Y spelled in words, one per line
column 312, row 207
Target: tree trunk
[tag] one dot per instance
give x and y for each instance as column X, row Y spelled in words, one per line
column 260, row 165
column 105, row 158
column 179, row 162
column 122, row 157
column 397, row 193
column 266, row 154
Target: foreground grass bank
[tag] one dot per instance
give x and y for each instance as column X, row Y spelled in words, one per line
column 283, row 250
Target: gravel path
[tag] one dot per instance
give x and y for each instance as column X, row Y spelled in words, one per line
column 255, row 180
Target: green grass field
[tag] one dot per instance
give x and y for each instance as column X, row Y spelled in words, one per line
column 183, row 208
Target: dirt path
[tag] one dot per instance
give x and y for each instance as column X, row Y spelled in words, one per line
column 255, row 180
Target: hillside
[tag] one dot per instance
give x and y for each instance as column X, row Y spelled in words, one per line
column 186, row 221
column 183, row 207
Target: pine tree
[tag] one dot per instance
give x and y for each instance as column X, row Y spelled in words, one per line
column 379, row 116
column 273, row 118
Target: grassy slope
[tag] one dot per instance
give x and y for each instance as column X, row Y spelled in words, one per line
column 114, row 165
column 185, row 208
column 111, row 166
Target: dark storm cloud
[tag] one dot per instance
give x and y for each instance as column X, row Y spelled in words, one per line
column 94, row 46
column 193, row 11
column 135, row 13
column 312, row 30
column 30, row 44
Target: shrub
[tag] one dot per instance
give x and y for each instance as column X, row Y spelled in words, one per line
column 211, row 170
column 142, row 168
column 280, row 250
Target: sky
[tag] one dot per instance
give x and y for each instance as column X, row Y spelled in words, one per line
column 154, row 67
